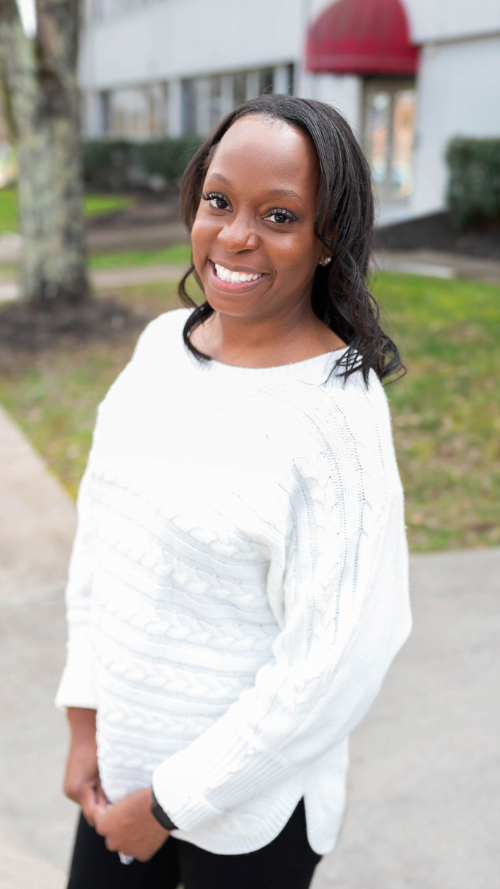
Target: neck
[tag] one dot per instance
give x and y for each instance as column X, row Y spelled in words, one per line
column 294, row 335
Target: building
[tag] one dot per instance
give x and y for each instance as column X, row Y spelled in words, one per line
column 408, row 74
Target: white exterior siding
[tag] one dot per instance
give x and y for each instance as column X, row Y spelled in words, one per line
column 342, row 91
column 432, row 20
column 188, row 38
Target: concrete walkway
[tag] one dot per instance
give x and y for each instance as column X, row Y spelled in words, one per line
column 423, row 808
column 437, row 264
column 109, row 279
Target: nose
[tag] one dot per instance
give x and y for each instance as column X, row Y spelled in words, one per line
column 238, row 233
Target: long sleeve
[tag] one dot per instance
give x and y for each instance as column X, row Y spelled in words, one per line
column 346, row 614
column 77, row 685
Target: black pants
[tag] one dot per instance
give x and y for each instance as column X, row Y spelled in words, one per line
column 287, row 862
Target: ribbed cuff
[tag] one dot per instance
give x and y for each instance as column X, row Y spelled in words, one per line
column 77, row 686
column 218, row 771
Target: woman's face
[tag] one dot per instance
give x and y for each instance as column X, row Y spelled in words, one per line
column 254, row 246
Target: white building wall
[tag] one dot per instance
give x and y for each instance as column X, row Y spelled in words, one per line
column 432, row 20
column 344, row 92
column 186, row 38
column 458, row 95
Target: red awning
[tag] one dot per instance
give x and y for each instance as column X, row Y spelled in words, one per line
column 361, row 37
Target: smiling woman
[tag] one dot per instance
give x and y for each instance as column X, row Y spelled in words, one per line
column 238, row 584
column 304, row 154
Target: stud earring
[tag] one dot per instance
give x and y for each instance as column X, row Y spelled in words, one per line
column 325, row 261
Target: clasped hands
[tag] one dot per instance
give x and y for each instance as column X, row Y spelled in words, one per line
column 127, row 826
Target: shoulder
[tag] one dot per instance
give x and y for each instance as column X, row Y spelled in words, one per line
column 159, row 347
column 342, row 431
column 162, row 331
column 332, row 410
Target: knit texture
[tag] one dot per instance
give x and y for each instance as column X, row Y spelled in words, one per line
column 238, row 586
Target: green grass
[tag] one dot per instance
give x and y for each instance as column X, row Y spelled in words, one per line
column 446, row 411
column 93, row 205
column 100, row 204
column 179, row 254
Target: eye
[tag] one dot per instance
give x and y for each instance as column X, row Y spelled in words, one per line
column 216, row 200
column 280, row 216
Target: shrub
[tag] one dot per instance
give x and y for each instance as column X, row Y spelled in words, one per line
column 118, row 164
column 474, row 180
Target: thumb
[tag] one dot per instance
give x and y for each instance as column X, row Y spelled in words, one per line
column 88, row 806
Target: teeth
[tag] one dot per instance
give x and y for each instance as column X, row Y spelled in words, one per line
column 234, row 277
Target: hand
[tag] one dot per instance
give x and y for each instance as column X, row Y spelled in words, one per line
column 82, row 783
column 129, row 826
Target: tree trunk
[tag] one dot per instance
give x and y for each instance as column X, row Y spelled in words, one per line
column 41, row 78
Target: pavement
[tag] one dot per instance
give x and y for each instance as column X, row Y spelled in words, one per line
column 424, row 786
column 108, row 279
column 438, row 264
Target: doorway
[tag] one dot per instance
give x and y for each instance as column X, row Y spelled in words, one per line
column 389, row 111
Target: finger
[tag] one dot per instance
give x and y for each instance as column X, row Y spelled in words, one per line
column 100, row 808
column 111, row 845
column 89, row 817
column 87, row 804
column 101, row 798
column 100, row 820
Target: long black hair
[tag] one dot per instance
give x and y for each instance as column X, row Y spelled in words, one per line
column 344, row 224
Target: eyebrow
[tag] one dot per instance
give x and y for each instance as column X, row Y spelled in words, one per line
column 284, row 192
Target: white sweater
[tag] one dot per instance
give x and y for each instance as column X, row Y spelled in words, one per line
column 237, row 588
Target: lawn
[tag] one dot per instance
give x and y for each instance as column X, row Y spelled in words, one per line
column 93, row 205
column 446, row 411
column 178, row 254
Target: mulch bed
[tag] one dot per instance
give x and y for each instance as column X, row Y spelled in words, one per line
column 25, row 331
column 147, row 209
column 437, row 232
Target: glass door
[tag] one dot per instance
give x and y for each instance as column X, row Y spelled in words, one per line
column 389, row 134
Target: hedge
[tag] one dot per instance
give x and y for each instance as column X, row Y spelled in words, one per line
column 474, row 180
column 120, row 164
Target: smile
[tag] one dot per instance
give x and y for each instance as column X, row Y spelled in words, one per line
column 235, row 277
column 234, row 280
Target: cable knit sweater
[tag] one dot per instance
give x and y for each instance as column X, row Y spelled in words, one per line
column 237, row 588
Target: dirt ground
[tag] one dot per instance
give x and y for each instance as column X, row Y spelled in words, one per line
column 24, row 331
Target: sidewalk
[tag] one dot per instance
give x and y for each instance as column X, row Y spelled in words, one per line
column 109, row 279
column 423, row 808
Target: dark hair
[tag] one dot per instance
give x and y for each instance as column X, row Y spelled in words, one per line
column 344, row 224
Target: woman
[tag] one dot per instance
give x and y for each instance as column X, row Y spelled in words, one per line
column 238, row 585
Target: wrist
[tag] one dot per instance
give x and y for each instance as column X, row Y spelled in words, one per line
column 81, row 719
column 159, row 813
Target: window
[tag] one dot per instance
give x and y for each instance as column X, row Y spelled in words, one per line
column 239, row 89
column 135, row 113
column 188, row 107
column 214, row 100
column 103, row 114
column 389, row 128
